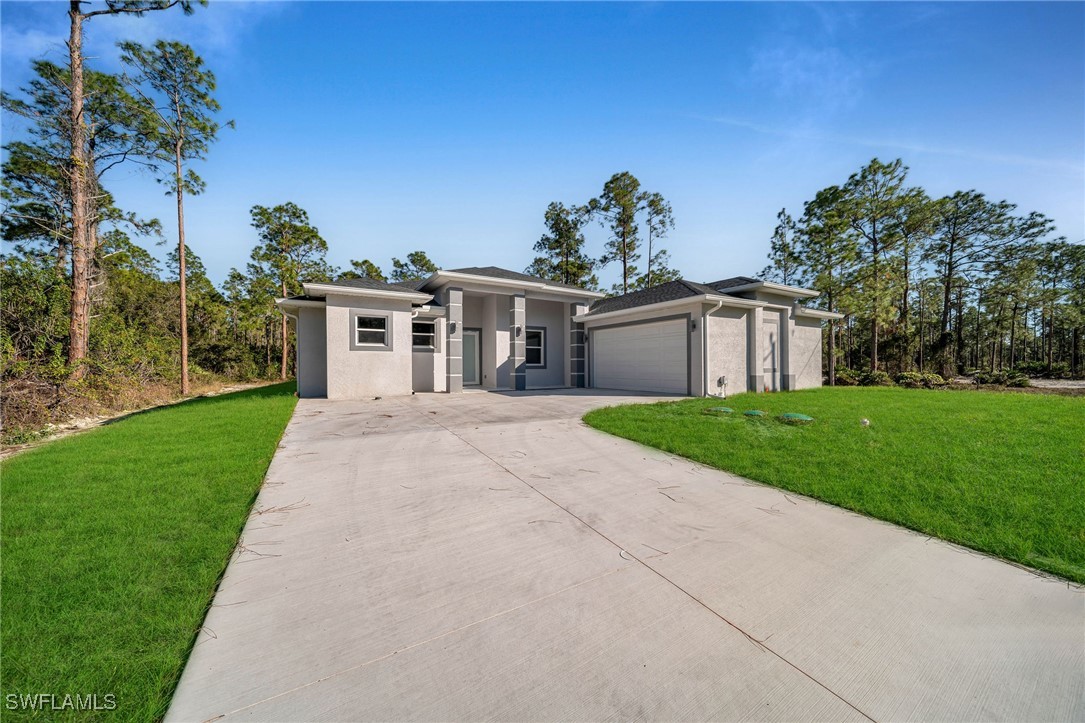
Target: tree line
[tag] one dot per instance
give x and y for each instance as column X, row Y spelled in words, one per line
column 89, row 317
column 947, row 285
column 621, row 208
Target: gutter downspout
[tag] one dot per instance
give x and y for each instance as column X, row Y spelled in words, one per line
column 704, row 345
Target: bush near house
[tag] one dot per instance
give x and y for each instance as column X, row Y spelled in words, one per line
column 1039, row 369
column 868, row 378
column 846, row 378
column 1011, row 378
column 920, row 380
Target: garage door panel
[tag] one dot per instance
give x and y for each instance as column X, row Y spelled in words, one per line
column 642, row 357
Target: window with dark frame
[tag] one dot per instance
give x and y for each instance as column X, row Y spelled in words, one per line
column 371, row 330
column 423, row 334
column 535, row 347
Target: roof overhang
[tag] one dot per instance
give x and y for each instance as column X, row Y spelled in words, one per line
column 446, row 277
column 775, row 288
column 298, row 303
column 430, row 312
column 415, row 297
column 816, row 313
column 714, row 299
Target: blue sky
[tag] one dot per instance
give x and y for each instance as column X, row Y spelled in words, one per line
column 450, row 127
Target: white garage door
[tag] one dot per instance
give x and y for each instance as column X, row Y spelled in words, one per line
column 642, row 357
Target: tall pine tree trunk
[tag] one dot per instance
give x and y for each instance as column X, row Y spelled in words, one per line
column 922, row 331
column 851, row 344
column 1013, row 335
column 996, row 343
column 958, row 348
column 832, row 337
column 1075, row 352
column 976, row 341
column 1050, row 336
column 941, row 344
column 625, row 265
column 282, row 370
column 649, row 255
column 182, row 273
column 832, row 353
column 78, row 341
column 874, row 312
column 907, row 361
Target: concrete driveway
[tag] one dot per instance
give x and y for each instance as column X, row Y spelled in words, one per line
column 487, row 556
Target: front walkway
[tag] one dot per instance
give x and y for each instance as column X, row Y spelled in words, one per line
column 488, row 556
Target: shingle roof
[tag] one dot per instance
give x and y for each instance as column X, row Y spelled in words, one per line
column 403, row 287
column 413, row 285
column 499, row 273
column 669, row 291
column 733, row 282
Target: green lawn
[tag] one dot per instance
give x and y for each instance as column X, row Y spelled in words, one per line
column 999, row 472
column 113, row 542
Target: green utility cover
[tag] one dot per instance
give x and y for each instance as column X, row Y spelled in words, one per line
column 793, row 418
column 719, row 410
column 754, row 413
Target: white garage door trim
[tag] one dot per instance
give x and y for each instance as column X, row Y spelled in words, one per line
column 651, row 355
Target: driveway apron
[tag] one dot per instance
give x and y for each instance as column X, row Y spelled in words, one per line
column 487, row 556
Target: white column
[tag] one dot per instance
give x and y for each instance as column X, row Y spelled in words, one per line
column 453, row 301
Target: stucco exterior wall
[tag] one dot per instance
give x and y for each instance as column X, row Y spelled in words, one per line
column 551, row 316
column 773, row 355
column 772, row 297
column 312, row 353
column 428, row 371
column 495, row 342
column 472, row 312
column 805, row 352
column 727, row 350
column 696, row 355
column 360, row 373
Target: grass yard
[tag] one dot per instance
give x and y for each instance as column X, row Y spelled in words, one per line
column 113, row 542
column 1002, row 473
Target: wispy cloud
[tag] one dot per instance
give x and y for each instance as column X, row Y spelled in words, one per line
column 812, row 79
column 35, row 30
column 817, row 136
column 216, row 30
column 29, row 43
column 835, row 17
column 808, row 60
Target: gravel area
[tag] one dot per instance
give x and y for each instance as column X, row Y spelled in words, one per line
column 1058, row 383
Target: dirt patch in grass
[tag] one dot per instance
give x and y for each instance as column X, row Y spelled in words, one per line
column 141, row 398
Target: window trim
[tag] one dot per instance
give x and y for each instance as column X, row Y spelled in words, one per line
column 354, row 315
column 433, row 335
column 541, row 347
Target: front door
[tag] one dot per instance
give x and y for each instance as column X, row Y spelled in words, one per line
column 471, row 356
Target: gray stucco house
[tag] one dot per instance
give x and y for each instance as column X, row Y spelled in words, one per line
column 497, row 329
